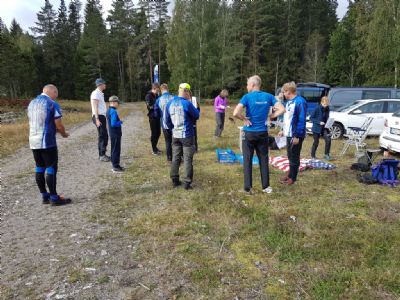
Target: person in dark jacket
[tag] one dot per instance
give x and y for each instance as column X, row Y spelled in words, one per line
column 154, row 119
column 319, row 116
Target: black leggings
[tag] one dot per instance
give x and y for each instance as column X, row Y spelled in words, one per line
column 327, row 137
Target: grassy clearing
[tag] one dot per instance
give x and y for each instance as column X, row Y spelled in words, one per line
column 343, row 244
column 15, row 135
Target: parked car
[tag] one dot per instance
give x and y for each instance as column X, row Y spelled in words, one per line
column 390, row 136
column 340, row 96
column 354, row 114
column 312, row 92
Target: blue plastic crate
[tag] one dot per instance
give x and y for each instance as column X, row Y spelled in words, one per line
column 239, row 158
column 226, row 156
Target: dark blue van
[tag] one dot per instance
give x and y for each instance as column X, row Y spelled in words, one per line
column 312, row 92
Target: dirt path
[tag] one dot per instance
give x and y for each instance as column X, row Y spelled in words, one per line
column 56, row 252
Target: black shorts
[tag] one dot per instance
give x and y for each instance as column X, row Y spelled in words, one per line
column 46, row 158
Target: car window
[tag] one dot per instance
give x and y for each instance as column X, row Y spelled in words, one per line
column 371, row 94
column 349, row 106
column 398, row 94
column 372, row 108
column 393, row 106
column 340, row 98
column 311, row 95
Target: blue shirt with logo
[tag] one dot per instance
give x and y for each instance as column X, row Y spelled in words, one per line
column 180, row 115
column 257, row 104
column 42, row 111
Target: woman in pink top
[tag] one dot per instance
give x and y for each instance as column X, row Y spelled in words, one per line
column 220, row 105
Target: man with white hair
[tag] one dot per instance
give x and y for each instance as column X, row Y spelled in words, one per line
column 257, row 104
column 44, row 122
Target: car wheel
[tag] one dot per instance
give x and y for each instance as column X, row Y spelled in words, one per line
column 337, row 131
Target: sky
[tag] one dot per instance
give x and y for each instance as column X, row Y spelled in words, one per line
column 24, row 11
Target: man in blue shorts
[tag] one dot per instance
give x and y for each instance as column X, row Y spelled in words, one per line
column 44, row 122
column 257, row 104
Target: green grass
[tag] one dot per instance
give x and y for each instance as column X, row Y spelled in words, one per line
column 343, row 244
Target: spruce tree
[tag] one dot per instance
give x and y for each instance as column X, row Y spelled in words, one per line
column 92, row 50
column 44, row 34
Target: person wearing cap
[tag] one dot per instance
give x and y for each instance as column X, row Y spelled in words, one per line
column 257, row 104
column 99, row 111
column 160, row 105
column 44, row 115
column 154, row 119
column 115, row 131
column 180, row 116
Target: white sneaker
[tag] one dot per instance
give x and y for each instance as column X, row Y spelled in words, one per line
column 267, row 190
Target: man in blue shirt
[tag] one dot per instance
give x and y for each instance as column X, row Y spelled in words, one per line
column 159, row 108
column 294, row 129
column 257, row 104
column 180, row 115
column 44, row 122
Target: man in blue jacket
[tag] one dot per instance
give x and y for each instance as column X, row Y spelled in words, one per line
column 180, row 115
column 159, row 108
column 257, row 104
column 294, row 129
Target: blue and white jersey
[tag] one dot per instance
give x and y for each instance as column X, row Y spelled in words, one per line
column 160, row 106
column 180, row 116
column 295, row 117
column 257, row 104
column 42, row 111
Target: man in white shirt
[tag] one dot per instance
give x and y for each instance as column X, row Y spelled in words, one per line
column 99, row 110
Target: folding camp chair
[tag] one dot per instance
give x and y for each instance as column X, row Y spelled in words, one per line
column 355, row 136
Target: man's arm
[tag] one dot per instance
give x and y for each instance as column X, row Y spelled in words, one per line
column 193, row 112
column 149, row 103
column 279, row 109
column 60, row 128
column 300, row 114
column 237, row 113
column 167, row 118
column 95, row 105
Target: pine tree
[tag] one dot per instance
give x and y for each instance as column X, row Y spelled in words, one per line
column 44, row 34
column 17, row 66
column 341, row 64
column 92, row 49
column 383, row 42
column 63, row 73
column 74, row 23
column 121, row 36
column 136, row 57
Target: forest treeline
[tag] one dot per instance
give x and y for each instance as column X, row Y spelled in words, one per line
column 210, row 44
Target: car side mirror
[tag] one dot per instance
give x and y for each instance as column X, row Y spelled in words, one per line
column 357, row 112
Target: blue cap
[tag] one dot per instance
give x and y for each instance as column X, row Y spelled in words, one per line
column 100, row 81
